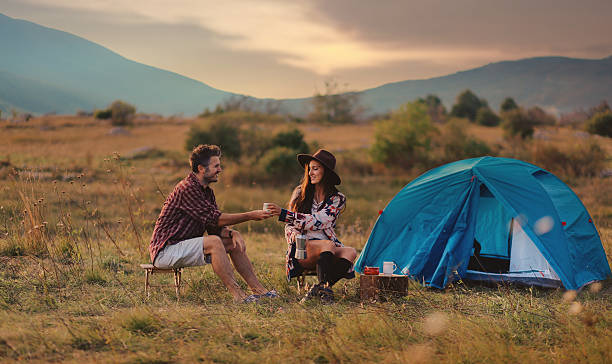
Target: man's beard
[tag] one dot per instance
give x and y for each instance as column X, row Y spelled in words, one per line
column 211, row 178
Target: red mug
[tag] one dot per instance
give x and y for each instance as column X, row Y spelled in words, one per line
column 371, row 271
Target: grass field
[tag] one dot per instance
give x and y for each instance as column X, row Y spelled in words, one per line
column 76, row 221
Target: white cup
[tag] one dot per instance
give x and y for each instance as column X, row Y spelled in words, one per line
column 389, row 268
column 266, row 206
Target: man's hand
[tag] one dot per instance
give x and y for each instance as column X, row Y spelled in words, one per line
column 259, row 215
column 238, row 241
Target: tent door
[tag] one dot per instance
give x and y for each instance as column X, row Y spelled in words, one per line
column 525, row 258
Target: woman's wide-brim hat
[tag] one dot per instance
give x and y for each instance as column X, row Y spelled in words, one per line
column 325, row 158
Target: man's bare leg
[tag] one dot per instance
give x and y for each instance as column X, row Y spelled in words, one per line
column 243, row 266
column 221, row 265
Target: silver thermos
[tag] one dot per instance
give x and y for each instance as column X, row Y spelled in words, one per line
column 300, row 246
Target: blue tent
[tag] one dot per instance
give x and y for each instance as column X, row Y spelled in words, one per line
column 488, row 218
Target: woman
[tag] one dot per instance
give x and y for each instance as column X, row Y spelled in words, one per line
column 313, row 209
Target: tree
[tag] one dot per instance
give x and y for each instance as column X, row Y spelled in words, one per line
column 334, row 107
column 435, row 108
column 485, row 116
column 122, row 113
column 507, row 105
column 517, row 123
column 600, row 124
column 405, row 138
column 292, row 139
column 540, row 117
column 467, row 105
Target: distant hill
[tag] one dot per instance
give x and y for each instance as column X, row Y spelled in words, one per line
column 556, row 83
column 45, row 70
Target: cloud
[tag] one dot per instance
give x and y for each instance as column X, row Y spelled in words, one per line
column 511, row 28
column 283, row 28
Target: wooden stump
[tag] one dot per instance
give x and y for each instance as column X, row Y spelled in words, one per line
column 375, row 286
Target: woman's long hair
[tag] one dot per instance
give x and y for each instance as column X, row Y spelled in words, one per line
column 303, row 195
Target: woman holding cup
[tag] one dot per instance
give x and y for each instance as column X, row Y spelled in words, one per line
column 311, row 218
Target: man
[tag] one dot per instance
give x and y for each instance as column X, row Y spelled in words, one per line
column 178, row 238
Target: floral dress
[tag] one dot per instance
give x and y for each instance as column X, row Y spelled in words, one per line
column 318, row 225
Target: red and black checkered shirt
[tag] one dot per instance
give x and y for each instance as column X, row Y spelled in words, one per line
column 188, row 211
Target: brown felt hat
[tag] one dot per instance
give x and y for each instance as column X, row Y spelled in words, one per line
column 325, row 158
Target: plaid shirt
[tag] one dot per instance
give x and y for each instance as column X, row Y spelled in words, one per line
column 188, row 211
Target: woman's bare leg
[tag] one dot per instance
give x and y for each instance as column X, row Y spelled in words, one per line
column 314, row 248
column 346, row 252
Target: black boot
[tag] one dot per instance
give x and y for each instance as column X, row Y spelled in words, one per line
column 340, row 271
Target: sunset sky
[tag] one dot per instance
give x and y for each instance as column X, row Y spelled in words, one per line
column 281, row 49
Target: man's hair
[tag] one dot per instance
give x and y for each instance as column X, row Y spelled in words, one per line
column 201, row 155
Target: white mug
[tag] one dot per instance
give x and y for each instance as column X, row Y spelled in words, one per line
column 389, row 268
column 266, row 206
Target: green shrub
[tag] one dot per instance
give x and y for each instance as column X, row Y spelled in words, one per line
column 517, row 123
column 485, row 116
column 122, row 113
column 292, row 139
column 455, row 144
column 227, row 137
column 103, row 114
column 600, row 124
column 141, row 323
column 405, row 139
column 508, row 104
column 279, row 166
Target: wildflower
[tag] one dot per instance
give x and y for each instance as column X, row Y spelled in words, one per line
column 595, row 287
column 575, row 308
column 435, row 323
column 569, row 296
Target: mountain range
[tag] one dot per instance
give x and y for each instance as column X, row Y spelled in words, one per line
column 44, row 70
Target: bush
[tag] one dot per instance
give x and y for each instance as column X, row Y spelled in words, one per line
column 518, row 123
column 540, row 117
column 457, row 145
column 227, row 137
column 334, row 106
column 600, row 124
column 582, row 160
column 508, row 104
column 292, row 139
column 279, row 166
column 103, row 114
column 276, row 167
column 122, row 113
column 404, row 139
column 435, row 108
column 485, row 116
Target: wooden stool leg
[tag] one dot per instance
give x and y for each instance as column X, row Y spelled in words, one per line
column 300, row 283
column 177, row 283
column 147, row 283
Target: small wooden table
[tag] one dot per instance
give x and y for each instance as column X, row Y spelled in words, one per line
column 371, row 286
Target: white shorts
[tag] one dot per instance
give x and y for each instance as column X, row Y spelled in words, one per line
column 187, row 253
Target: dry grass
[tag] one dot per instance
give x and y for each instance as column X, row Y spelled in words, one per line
column 71, row 289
